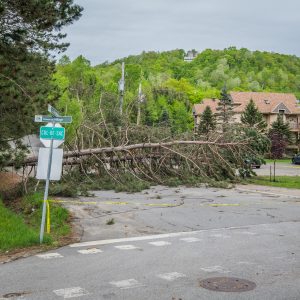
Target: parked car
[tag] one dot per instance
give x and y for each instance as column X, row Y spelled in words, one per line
column 253, row 163
column 296, row 159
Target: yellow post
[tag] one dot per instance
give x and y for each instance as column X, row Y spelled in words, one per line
column 48, row 217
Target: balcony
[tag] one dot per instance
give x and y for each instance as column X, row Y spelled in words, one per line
column 294, row 127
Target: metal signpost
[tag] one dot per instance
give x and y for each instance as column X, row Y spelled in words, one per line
column 50, row 132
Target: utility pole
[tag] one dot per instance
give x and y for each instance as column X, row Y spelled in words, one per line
column 122, row 88
column 140, row 100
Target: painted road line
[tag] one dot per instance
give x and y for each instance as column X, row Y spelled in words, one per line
column 214, row 269
column 164, row 235
column 126, row 284
column 223, row 204
column 126, row 247
column 112, row 203
column 133, row 239
column 138, row 203
column 171, row 276
column 267, row 193
column 191, row 240
column 160, row 243
column 72, row 292
column 219, row 235
column 161, row 204
column 115, row 203
column 49, row 255
column 90, row 251
column 247, row 233
column 73, row 202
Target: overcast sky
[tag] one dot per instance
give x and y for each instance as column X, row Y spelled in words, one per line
column 111, row 29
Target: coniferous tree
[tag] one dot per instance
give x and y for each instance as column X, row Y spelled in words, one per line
column 252, row 117
column 165, row 118
column 282, row 128
column 29, row 33
column 280, row 136
column 207, row 121
column 224, row 109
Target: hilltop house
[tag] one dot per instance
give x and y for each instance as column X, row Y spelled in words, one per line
column 191, row 55
column 269, row 104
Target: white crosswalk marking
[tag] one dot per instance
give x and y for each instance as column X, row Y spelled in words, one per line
column 212, row 269
column 126, row 284
column 160, row 243
column 49, row 255
column 190, row 239
column 71, row 292
column 220, row 235
column 171, row 276
column 90, row 251
column 126, row 247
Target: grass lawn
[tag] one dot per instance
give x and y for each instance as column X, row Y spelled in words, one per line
column 279, row 161
column 292, row 182
column 20, row 223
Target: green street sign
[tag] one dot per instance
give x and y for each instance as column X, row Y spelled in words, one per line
column 52, row 133
column 53, row 111
column 47, row 119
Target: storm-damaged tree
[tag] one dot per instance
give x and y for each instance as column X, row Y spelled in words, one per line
column 29, row 32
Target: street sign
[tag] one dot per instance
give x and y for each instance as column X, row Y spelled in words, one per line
column 53, row 111
column 50, row 160
column 55, row 133
column 62, row 119
column 56, row 165
column 46, row 141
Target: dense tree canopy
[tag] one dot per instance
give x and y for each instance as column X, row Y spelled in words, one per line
column 171, row 86
column 29, row 31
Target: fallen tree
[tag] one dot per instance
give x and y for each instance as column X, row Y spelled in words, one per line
column 124, row 151
column 32, row 160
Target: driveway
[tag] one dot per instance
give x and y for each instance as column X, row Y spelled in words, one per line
column 282, row 169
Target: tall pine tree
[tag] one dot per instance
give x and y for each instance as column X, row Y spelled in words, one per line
column 282, row 128
column 207, row 121
column 280, row 136
column 252, row 117
column 224, row 109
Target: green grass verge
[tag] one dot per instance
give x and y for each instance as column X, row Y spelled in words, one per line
column 20, row 223
column 292, row 182
column 279, row 161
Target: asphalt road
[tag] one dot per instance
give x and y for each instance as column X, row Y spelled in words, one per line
column 164, row 242
column 282, row 169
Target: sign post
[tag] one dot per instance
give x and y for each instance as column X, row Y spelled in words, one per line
column 55, row 133
column 46, row 192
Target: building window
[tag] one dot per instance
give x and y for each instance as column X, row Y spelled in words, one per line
column 281, row 111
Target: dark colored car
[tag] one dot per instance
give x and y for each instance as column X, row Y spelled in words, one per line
column 253, row 163
column 296, row 159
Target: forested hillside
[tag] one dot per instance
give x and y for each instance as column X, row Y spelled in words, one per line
column 169, row 84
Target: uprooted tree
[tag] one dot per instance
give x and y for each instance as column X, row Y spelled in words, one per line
column 103, row 145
